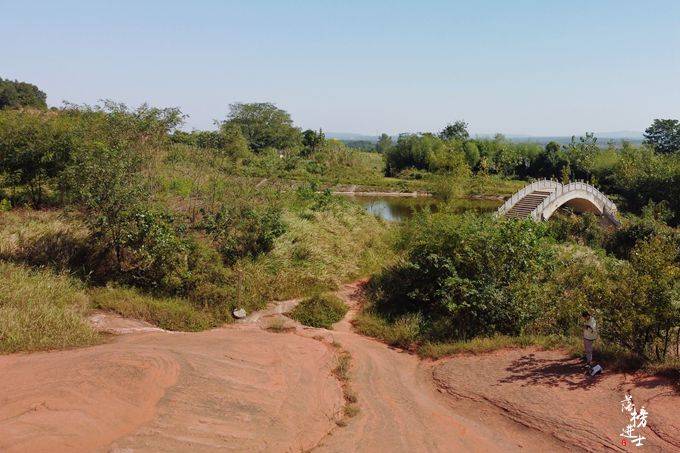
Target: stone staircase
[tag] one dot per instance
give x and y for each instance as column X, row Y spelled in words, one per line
column 523, row 207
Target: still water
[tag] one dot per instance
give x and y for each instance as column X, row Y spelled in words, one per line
column 396, row 209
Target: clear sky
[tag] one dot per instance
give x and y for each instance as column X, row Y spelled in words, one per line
column 518, row 67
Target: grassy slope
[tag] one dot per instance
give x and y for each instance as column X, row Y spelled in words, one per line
column 320, row 250
column 41, row 310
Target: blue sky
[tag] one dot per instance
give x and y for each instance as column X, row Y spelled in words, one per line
column 517, row 67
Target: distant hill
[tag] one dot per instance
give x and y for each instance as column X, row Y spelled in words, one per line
column 602, row 137
column 349, row 136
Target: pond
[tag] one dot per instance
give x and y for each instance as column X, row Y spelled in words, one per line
column 396, row 209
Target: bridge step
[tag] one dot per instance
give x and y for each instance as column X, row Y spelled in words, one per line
column 527, row 204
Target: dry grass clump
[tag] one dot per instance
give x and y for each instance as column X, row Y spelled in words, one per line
column 41, row 310
column 170, row 313
column 278, row 325
column 342, row 373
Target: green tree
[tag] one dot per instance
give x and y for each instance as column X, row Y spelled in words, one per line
column 471, row 154
column 455, row 131
column 15, row 94
column 312, row 141
column 264, row 125
column 34, row 148
column 234, row 142
column 107, row 185
column 384, row 143
column 664, row 135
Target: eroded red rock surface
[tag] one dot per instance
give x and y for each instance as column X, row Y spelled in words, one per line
column 548, row 392
column 242, row 388
column 236, row 388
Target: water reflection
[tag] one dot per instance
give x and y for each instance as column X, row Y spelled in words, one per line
column 396, row 209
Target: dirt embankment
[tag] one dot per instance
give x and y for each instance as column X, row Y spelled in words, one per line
column 243, row 388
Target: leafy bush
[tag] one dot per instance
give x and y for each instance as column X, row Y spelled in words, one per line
column 424, row 152
column 585, row 229
column 243, row 231
column 642, row 314
column 35, row 147
column 320, row 310
column 466, row 275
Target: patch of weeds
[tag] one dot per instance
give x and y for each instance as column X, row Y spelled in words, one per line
column 341, row 370
column 403, row 333
column 278, row 325
column 170, row 313
column 320, row 310
column 342, row 373
column 351, row 410
column 482, row 345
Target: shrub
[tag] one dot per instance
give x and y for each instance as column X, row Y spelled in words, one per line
column 642, row 313
column 243, row 231
column 466, row 275
column 585, row 229
column 320, row 310
column 35, row 147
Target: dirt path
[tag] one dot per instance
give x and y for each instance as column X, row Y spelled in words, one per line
column 243, row 388
column 402, row 411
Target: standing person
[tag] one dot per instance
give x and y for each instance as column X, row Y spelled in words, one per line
column 589, row 335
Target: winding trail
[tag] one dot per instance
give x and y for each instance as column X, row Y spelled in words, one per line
column 401, row 410
column 242, row 388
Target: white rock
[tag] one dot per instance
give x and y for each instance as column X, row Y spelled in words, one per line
column 239, row 313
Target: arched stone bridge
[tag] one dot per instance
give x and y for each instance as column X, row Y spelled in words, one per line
column 540, row 199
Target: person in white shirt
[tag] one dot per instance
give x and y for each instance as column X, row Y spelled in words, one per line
column 589, row 335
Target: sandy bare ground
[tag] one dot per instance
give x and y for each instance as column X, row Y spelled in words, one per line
column 243, row 388
column 547, row 391
column 239, row 388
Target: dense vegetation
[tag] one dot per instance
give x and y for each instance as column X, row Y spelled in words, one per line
column 116, row 208
column 174, row 228
column 465, row 277
column 633, row 175
column 15, row 94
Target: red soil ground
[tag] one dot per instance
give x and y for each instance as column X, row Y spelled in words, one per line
column 243, row 388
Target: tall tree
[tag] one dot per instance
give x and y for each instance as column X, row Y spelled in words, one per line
column 20, row 94
column 312, row 140
column 664, row 135
column 455, row 131
column 264, row 125
column 384, row 143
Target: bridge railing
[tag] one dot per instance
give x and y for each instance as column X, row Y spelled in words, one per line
column 526, row 190
column 609, row 206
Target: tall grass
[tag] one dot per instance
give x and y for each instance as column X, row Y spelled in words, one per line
column 41, row 310
column 169, row 313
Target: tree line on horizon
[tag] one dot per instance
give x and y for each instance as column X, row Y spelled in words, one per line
column 636, row 175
